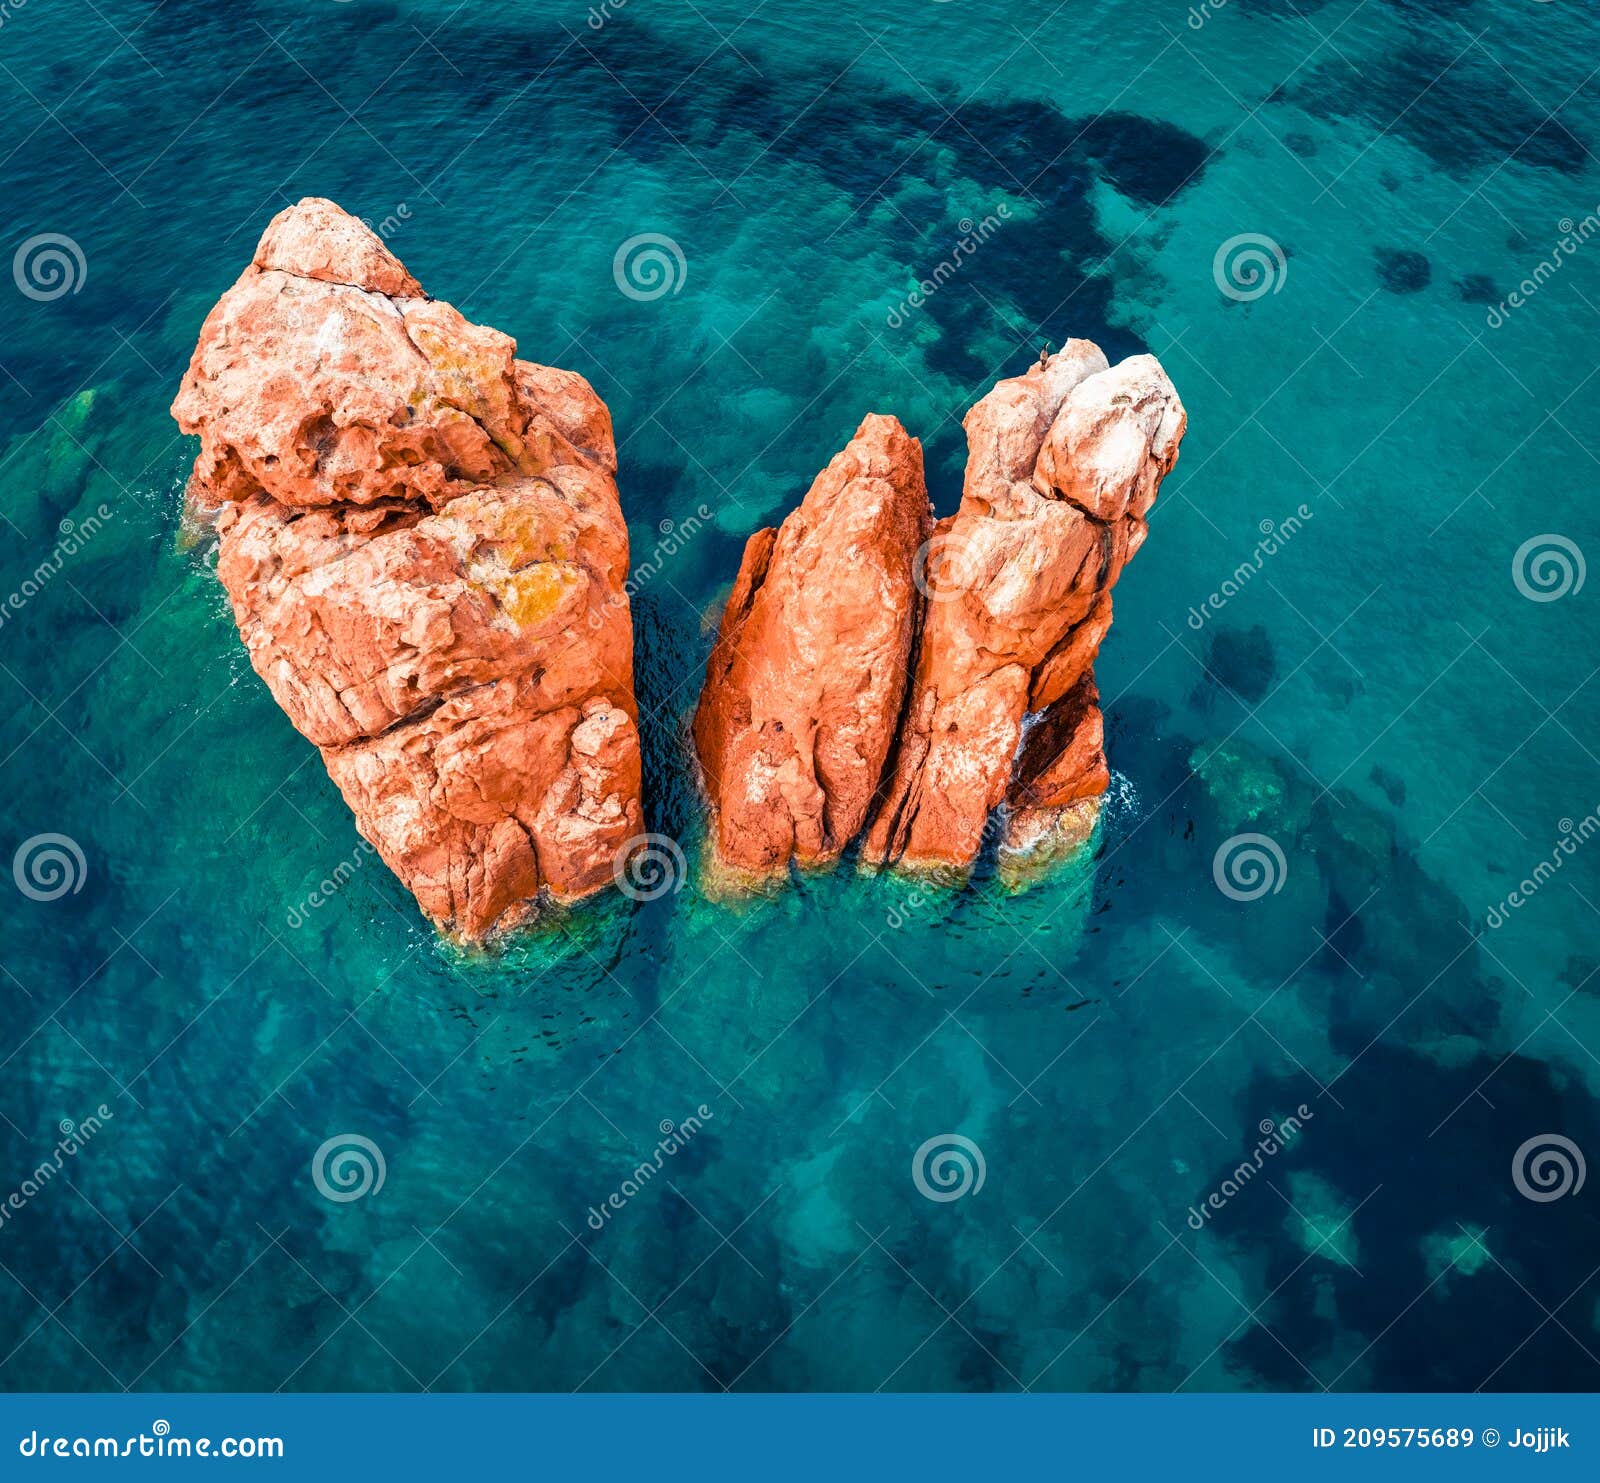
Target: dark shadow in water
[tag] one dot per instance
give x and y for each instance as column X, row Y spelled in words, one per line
column 1419, row 1112
column 1241, row 660
column 1434, row 1184
column 1402, row 270
column 1459, row 107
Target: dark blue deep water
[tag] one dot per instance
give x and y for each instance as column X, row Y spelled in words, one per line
column 1397, row 693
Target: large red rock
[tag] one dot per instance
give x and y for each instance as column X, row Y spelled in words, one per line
column 421, row 540
column 804, row 686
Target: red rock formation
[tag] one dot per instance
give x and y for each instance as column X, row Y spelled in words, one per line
column 1060, row 767
column 805, row 683
column 1063, row 466
column 421, row 540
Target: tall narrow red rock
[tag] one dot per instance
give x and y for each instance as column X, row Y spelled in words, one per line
column 421, row 540
column 804, row 687
column 1063, row 465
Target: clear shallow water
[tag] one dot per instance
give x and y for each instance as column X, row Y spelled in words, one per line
column 1380, row 700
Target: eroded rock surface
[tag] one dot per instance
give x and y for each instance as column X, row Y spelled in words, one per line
column 1063, row 465
column 422, row 543
column 999, row 614
column 804, row 687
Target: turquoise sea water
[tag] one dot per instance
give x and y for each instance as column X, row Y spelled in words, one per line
column 1379, row 698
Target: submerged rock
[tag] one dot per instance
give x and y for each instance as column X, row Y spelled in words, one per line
column 1242, row 661
column 422, row 544
column 949, row 650
column 1403, row 270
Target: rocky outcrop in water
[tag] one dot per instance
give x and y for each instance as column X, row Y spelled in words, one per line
column 804, row 687
column 421, row 540
column 1001, row 609
column 1063, row 465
